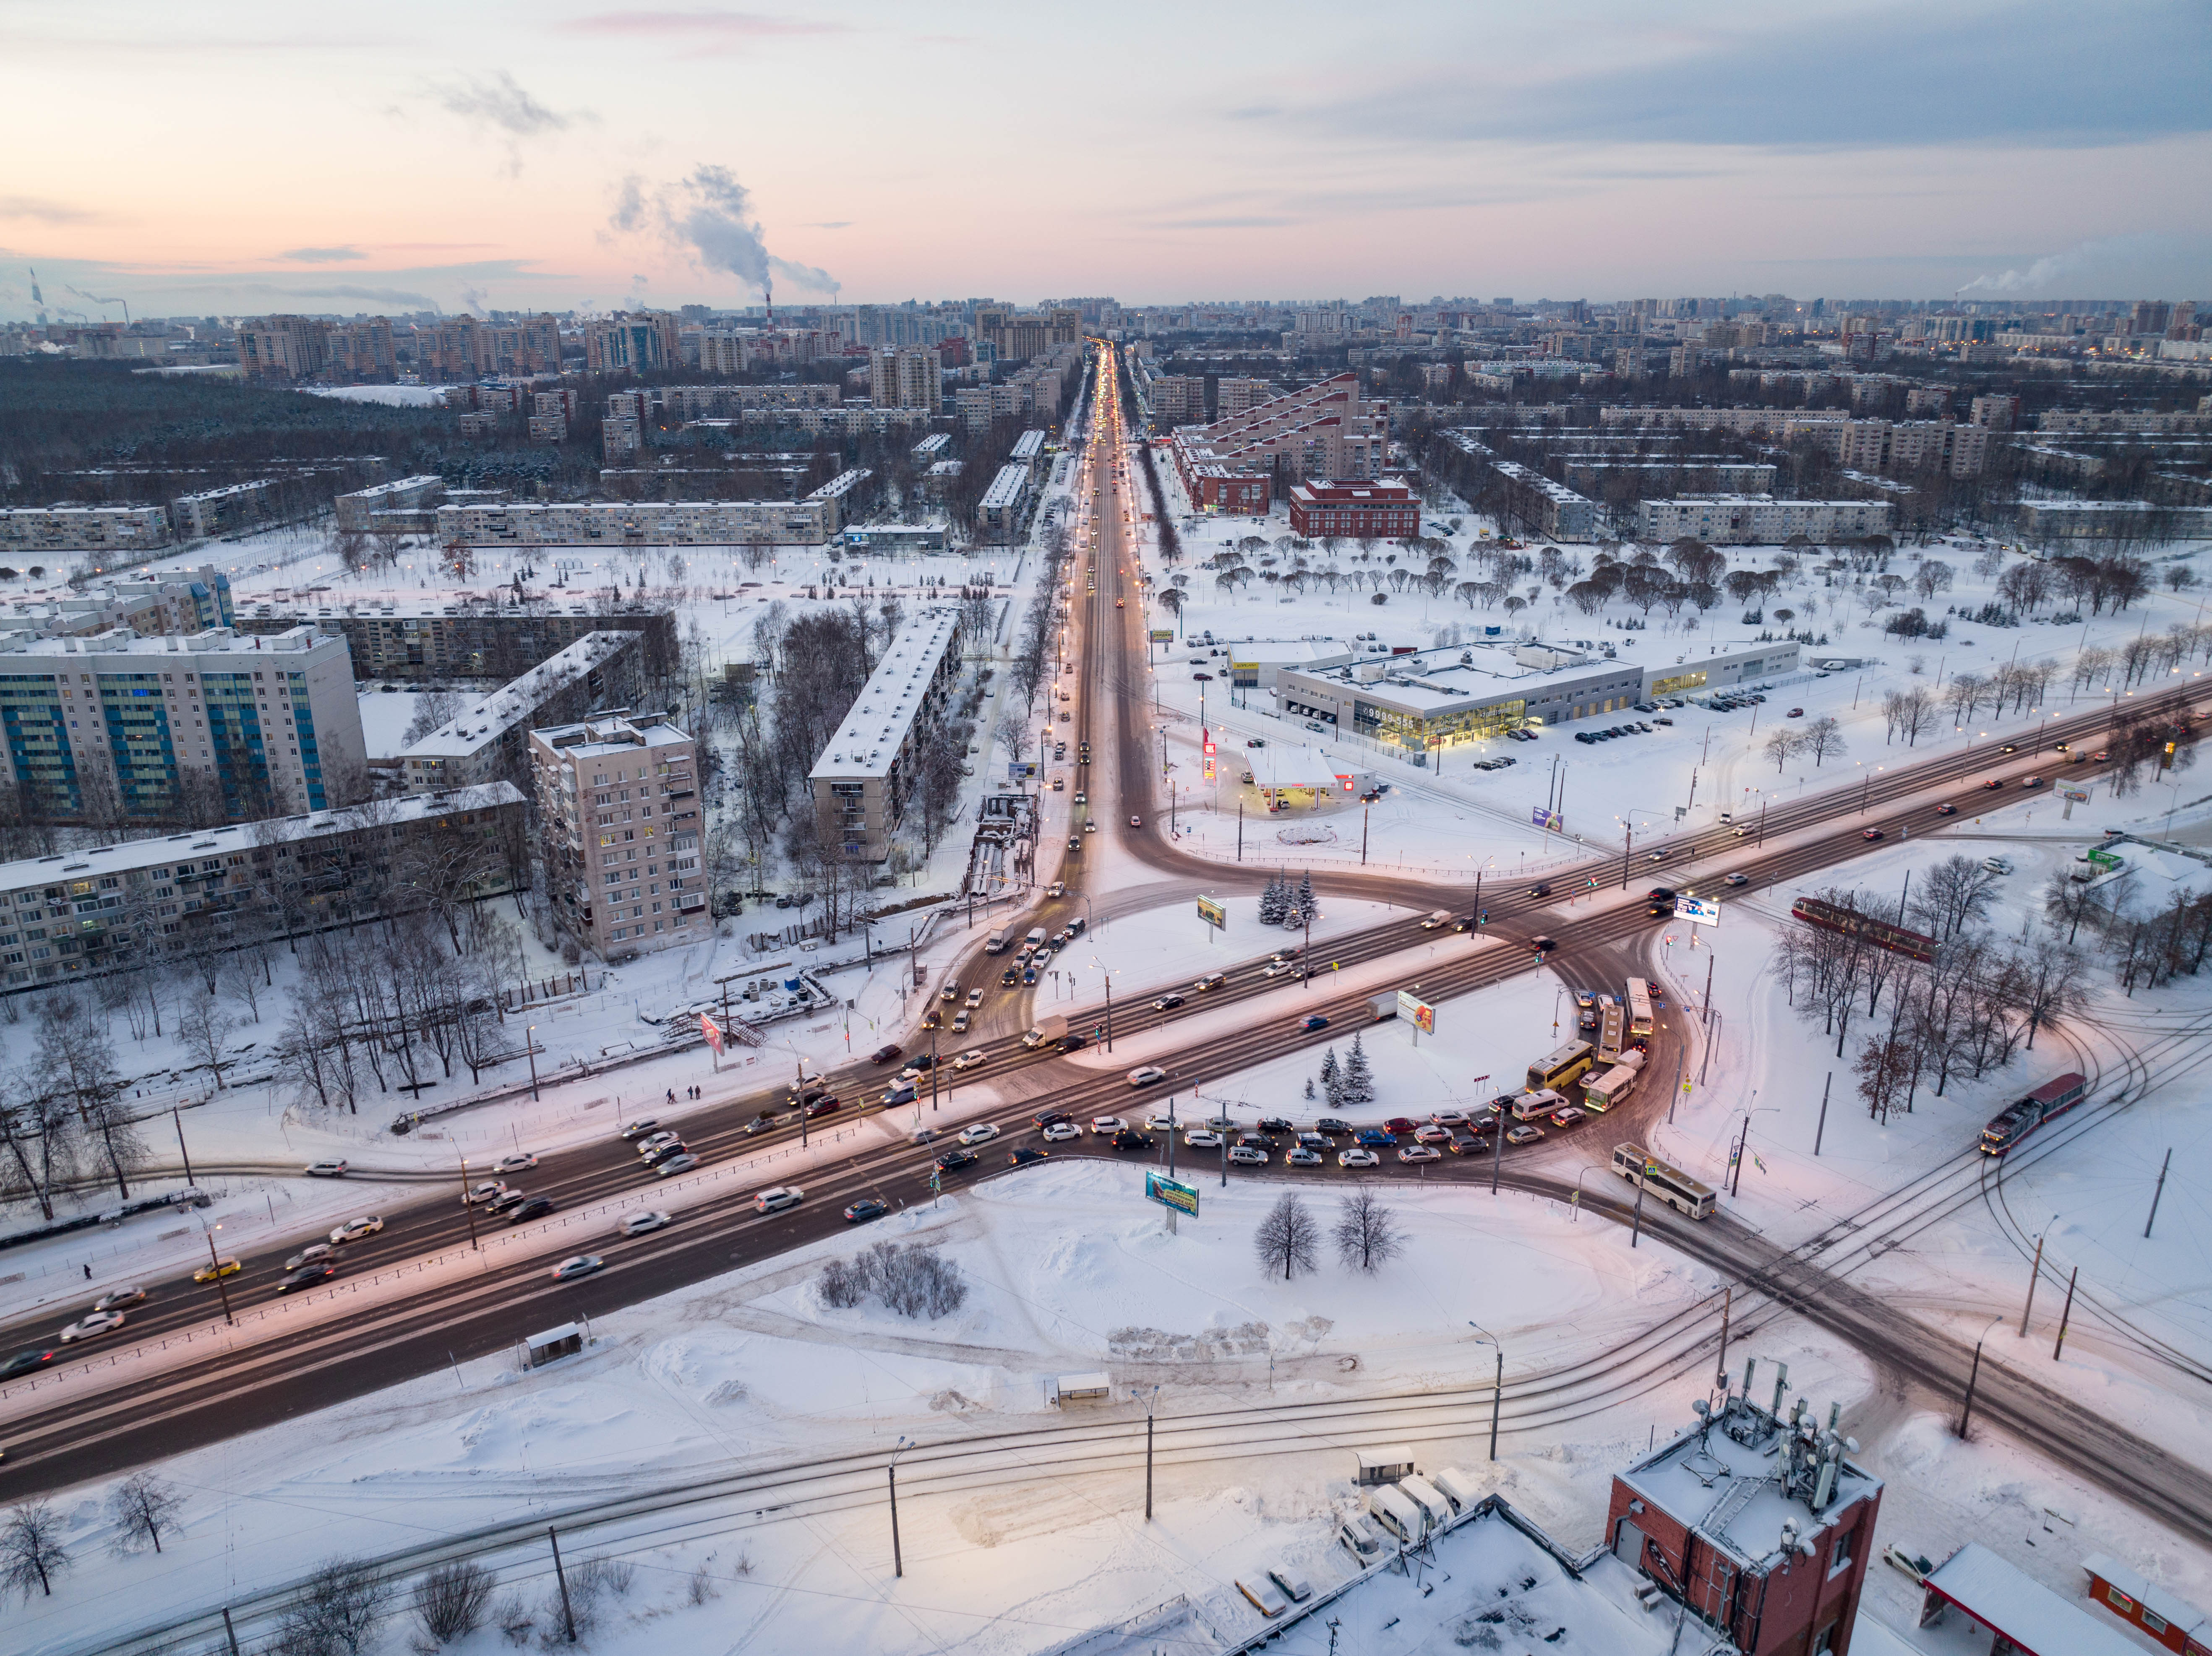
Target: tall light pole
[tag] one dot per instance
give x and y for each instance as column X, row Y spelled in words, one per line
column 898, row 1564
column 530, row 1045
column 1966, row 1414
column 1497, row 1387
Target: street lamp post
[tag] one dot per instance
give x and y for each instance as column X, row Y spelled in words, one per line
column 530, row 1047
column 1497, row 1386
column 1966, row 1414
column 898, row 1564
column 215, row 1262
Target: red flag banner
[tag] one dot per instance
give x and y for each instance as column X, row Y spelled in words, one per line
column 712, row 1031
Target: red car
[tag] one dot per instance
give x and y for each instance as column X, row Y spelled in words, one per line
column 1401, row 1123
column 1947, row 810
column 821, row 1108
column 1871, row 834
column 1994, row 782
column 885, row 1055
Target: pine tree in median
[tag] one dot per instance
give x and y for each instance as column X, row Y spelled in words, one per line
column 1332, row 1079
column 1358, row 1077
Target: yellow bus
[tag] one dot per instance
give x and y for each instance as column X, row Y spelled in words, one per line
column 1561, row 1068
column 1670, row 1185
column 1639, row 1007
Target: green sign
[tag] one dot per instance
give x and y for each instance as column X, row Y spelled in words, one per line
column 1171, row 1193
column 2104, row 859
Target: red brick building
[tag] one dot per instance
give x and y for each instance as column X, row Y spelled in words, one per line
column 1385, row 510
column 1218, row 489
column 1757, row 1522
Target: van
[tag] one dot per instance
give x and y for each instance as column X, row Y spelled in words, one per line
column 1530, row 1106
column 1399, row 1513
column 1295, row 1587
column 1458, row 1488
column 1996, row 864
column 1430, row 1499
column 1360, row 1536
column 1436, row 918
column 1035, row 938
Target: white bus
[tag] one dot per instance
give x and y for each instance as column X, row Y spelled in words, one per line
column 1542, row 1102
column 1670, row 1185
column 1639, row 1007
column 1606, row 1090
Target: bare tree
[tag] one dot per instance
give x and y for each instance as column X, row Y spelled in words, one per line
column 1953, row 895
column 205, row 1029
column 1366, row 1234
column 32, row 1552
column 336, row 1611
column 143, row 1506
column 452, row 1601
column 1823, row 739
column 1782, row 747
column 1288, row 1238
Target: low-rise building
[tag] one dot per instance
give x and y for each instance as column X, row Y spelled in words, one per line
column 358, row 510
column 642, row 523
column 487, row 741
column 896, row 538
column 117, row 728
column 67, row 528
column 1759, row 519
column 479, row 640
column 619, row 828
column 999, row 514
column 863, row 780
column 1440, row 699
column 1386, row 509
column 2130, row 522
column 224, row 511
column 121, row 905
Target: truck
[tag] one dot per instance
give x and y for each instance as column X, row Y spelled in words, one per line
column 1049, row 1031
column 2016, row 1121
column 996, row 942
column 1384, row 1005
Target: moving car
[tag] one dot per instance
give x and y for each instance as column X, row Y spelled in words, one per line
column 642, row 1129
column 117, row 1299
column 1248, row 1156
column 1528, row 1132
column 657, row 1141
column 968, row 1060
column 1145, row 1074
column 1313, row 1021
column 1947, row 810
column 1302, row 1157
column 866, row 1209
column 1212, row 980
column 1739, row 879
column 1332, row 1124
column 1357, row 1159
column 336, row 1169
column 215, row 1268
column 308, row 1276
column 1024, row 1156
column 1541, row 888
column 1375, row 1138
column 578, row 1265
column 664, row 1154
column 29, row 1362
column 1061, row 1131
column 506, row 1201
column 354, row 1229
column 1136, row 821
column 92, row 1325
column 885, row 1055
column 822, row 1107
column 520, row 1161
column 306, row 1256
column 636, row 1224
column 978, row 1132
column 777, row 1197
column 1202, row 1138
column 1106, row 1125
column 536, row 1208
column 953, row 1160
column 683, row 1161
column 1420, row 1153
column 1871, row 834
column 1128, row 1140
column 1566, row 1117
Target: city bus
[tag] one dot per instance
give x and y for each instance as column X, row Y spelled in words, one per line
column 1670, row 1185
column 1562, row 1067
column 1639, row 1007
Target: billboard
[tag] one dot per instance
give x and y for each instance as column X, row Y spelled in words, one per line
column 1164, row 635
column 1213, row 913
column 1547, row 819
column 1697, row 911
column 1413, row 1008
column 1171, row 1193
column 2076, row 795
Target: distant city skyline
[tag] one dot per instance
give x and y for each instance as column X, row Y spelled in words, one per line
column 597, row 159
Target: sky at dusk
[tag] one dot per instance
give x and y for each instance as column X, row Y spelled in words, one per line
column 221, row 158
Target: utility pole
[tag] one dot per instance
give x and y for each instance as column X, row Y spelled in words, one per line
column 1627, row 848
column 568, row 1609
column 1710, row 958
column 181, row 1150
column 1728, row 1303
column 2072, row 1278
column 1366, row 810
column 221, row 1287
column 2156, row 1193
column 1148, row 1452
column 2033, row 1271
column 1635, row 1226
column 1974, row 1374
column 469, row 1207
column 898, row 1564
column 530, row 1045
column 1821, row 1131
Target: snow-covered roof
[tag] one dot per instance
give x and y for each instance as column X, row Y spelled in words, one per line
column 1293, row 768
column 874, row 732
column 2008, row 1600
column 519, row 699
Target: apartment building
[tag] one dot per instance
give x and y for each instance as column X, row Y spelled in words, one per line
column 1386, row 509
column 479, row 640
column 83, row 528
column 999, row 514
column 619, row 828
column 864, row 777
column 632, row 342
column 487, row 741
column 119, row 728
column 1326, row 430
column 84, row 912
column 1524, row 499
column 722, row 401
column 225, row 510
column 360, row 511
column 1759, row 519
column 180, row 601
column 901, row 378
column 1234, row 394
column 806, row 522
column 283, row 347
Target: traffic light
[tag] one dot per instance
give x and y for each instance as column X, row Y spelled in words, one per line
column 1483, row 918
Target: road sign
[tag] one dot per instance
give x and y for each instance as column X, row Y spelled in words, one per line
column 1171, row 1193
column 1213, row 913
column 1698, row 911
column 1421, row 1014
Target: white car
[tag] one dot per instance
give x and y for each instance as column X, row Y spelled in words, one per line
column 978, row 1132
column 306, row 1256
column 1420, row 1153
column 1276, row 968
column 490, row 1191
column 1145, row 1074
column 1245, row 1156
column 520, row 1161
column 1303, row 1158
column 1202, row 1138
column 777, row 1197
column 967, row 1061
column 1057, row 888
column 92, row 1325
column 579, row 1265
column 1431, row 1134
column 676, row 1164
column 636, row 1224
column 1107, row 1125
column 1163, row 1122
column 326, row 1169
column 1357, row 1159
column 116, row 1299
column 354, row 1229
column 1061, row 1131
column 660, row 1141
